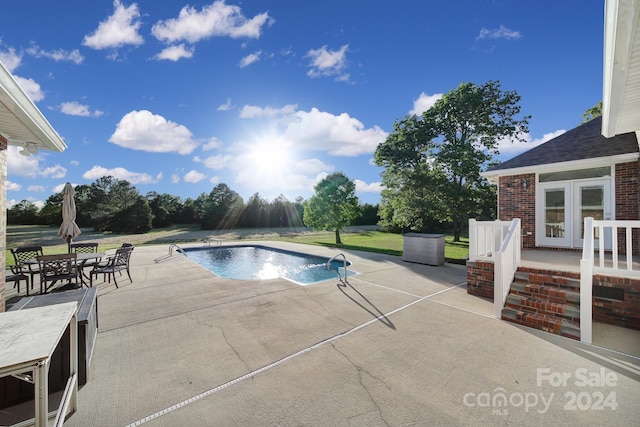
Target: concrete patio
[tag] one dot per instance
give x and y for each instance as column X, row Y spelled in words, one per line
column 403, row 344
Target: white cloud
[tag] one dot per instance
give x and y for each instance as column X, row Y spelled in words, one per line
column 31, row 88
column 176, row 52
column 312, row 167
column 327, row 63
column 506, row 146
column 499, row 33
column 74, row 108
column 29, row 166
column 119, row 173
column 117, row 30
column 340, row 135
column 217, row 162
column 250, row 59
column 255, row 112
column 363, row 187
column 194, row 176
column 19, row 165
column 12, row 186
column 10, row 59
column 175, row 178
column 56, row 54
column 216, row 19
column 226, row 106
column 56, row 171
column 38, row 188
column 424, row 102
column 145, row 131
column 212, row 144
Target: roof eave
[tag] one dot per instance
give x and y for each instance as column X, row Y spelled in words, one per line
column 554, row 167
column 24, row 117
column 621, row 92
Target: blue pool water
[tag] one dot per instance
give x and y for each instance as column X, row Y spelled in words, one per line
column 259, row 262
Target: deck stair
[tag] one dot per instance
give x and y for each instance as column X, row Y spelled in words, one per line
column 545, row 300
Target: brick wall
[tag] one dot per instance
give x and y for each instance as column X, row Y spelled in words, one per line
column 627, row 199
column 624, row 313
column 516, row 201
column 480, row 279
column 3, row 215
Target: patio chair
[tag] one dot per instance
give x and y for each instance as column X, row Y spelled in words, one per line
column 16, row 276
column 83, row 248
column 58, row 268
column 116, row 263
column 25, row 261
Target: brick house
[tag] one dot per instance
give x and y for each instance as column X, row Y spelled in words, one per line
column 544, row 196
column 23, row 125
column 578, row 174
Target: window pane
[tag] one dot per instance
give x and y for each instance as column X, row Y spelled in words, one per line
column 575, row 174
column 554, row 213
column 592, row 204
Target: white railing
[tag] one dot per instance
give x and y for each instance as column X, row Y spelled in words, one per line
column 505, row 266
column 607, row 262
column 500, row 242
column 485, row 238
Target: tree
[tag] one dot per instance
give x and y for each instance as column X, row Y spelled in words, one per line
column 222, row 208
column 23, row 213
column 433, row 162
column 592, row 113
column 333, row 206
column 164, row 207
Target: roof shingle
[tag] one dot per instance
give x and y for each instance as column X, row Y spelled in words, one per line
column 581, row 143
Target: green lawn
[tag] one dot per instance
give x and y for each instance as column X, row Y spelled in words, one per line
column 371, row 241
column 380, row 242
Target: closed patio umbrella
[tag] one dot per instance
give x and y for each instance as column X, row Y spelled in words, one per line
column 69, row 230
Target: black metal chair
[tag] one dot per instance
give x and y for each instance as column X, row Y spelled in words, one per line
column 58, row 268
column 116, row 263
column 83, row 248
column 25, row 261
column 16, row 276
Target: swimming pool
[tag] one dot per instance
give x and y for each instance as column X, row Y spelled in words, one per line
column 260, row 262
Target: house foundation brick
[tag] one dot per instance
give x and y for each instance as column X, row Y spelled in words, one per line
column 480, row 279
column 625, row 313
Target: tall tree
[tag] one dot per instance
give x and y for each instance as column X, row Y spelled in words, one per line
column 23, row 213
column 222, row 209
column 165, row 208
column 433, row 162
column 333, row 205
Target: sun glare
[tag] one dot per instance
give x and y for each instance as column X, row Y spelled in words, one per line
column 270, row 157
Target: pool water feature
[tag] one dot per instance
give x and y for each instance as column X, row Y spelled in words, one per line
column 261, row 263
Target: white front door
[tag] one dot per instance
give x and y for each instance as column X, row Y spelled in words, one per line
column 591, row 199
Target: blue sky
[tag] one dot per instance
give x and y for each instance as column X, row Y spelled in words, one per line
column 271, row 96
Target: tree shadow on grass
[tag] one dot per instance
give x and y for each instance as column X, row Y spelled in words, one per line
column 360, row 248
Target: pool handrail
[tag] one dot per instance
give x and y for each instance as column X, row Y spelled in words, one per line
column 170, row 254
column 338, row 271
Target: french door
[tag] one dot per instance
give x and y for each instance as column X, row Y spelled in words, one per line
column 591, row 198
column 562, row 207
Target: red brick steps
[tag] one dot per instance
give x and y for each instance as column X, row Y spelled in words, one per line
column 545, row 300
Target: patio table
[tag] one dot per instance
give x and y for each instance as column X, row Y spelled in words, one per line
column 81, row 260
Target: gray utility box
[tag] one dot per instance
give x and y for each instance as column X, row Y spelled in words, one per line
column 423, row 248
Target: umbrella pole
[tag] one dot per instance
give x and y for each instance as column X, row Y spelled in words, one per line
column 68, row 244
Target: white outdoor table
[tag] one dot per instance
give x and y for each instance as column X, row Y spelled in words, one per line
column 27, row 341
